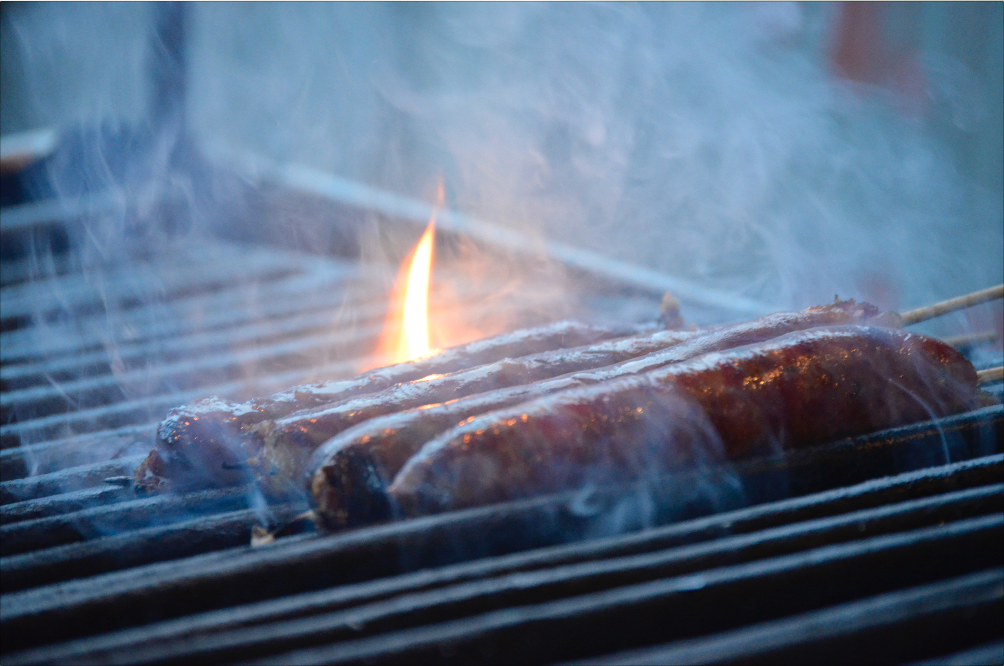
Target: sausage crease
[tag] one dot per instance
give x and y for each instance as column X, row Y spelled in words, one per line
column 351, row 471
column 801, row 388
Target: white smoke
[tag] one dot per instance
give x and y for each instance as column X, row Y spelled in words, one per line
column 709, row 141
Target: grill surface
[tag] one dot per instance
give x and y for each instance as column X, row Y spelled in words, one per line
column 848, row 551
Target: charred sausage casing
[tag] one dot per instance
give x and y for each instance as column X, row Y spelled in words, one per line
column 204, row 443
column 351, row 470
column 288, row 443
column 802, row 388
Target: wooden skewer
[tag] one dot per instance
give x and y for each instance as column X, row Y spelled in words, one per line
column 990, row 375
column 952, row 304
column 970, row 339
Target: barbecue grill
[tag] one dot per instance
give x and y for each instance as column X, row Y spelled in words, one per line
column 859, row 547
column 884, row 547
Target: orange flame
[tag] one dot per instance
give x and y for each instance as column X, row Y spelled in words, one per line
column 407, row 337
column 414, row 338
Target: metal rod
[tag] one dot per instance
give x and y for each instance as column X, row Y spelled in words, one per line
column 215, row 310
column 29, row 215
column 952, row 304
column 356, row 194
column 67, row 480
column 188, row 372
column 216, row 262
column 966, row 340
column 901, row 626
column 712, row 600
column 316, row 626
column 123, row 516
column 55, row 454
column 298, row 321
column 138, row 548
column 227, row 579
column 143, row 409
column 79, row 500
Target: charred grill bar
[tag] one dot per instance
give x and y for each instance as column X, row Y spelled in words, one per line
column 797, row 555
column 822, row 551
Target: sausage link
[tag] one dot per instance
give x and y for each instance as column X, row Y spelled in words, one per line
column 205, row 442
column 802, row 388
column 288, row 443
column 378, row 448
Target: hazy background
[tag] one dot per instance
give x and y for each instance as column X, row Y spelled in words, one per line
column 710, row 141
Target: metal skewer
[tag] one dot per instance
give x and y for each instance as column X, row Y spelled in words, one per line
column 952, row 304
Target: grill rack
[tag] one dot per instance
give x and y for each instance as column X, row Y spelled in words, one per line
column 93, row 573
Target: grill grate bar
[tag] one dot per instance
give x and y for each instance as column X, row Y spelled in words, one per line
column 146, row 409
column 990, row 653
column 232, row 307
column 714, row 600
column 889, row 628
column 79, row 500
column 56, row 454
column 189, row 372
column 474, row 598
column 15, row 271
column 141, row 547
column 128, row 283
column 132, row 354
column 269, row 323
column 289, row 567
column 68, row 480
column 28, row 535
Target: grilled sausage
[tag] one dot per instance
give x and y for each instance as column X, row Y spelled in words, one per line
column 204, row 443
column 351, row 471
column 802, row 388
column 287, row 443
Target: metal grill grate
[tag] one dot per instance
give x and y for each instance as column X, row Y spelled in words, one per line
column 94, row 573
